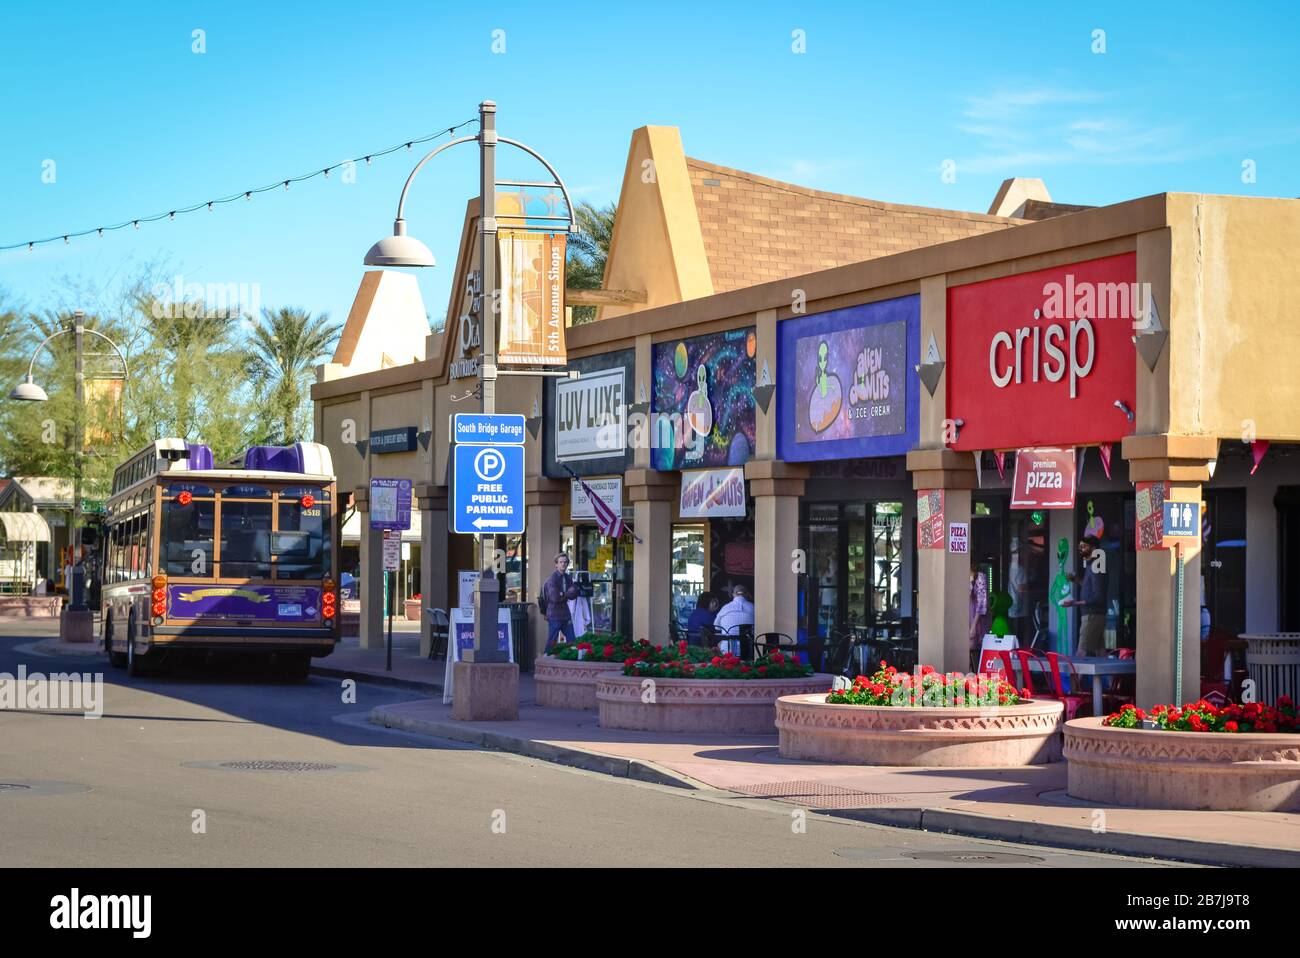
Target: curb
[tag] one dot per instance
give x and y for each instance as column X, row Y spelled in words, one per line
column 945, row 820
column 1073, row 837
column 632, row 768
column 53, row 648
column 415, row 685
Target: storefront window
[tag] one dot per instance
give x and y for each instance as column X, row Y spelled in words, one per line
column 1010, row 547
column 1223, row 563
column 1110, row 516
column 688, row 563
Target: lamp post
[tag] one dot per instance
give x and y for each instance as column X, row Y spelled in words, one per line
column 403, row 250
column 29, row 391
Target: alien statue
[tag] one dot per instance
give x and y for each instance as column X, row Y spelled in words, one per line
column 1061, row 590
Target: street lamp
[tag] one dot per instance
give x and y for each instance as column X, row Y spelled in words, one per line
column 29, row 391
column 403, row 250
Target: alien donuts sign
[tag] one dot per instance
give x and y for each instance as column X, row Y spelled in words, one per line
column 845, row 379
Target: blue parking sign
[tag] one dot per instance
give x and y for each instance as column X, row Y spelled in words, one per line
column 488, row 492
column 1182, row 519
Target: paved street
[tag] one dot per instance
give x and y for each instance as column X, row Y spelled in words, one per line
column 123, row 790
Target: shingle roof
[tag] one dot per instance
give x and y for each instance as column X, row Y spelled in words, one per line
column 757, row 230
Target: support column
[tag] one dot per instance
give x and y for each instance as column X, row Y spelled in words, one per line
column 943, row 586
column 651, row 494
column 543, row 499
column 1177, row 466
column 372, row 576
column 432, row 503
column 776, row 487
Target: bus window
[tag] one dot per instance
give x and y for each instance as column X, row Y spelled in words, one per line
column 302, row 546
column 245, row 539
column 187, row 530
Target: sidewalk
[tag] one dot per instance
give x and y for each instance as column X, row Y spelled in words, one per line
column 410, row 669
column 1025, row 805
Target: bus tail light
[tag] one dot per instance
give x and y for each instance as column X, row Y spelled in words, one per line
column 159, row 597
column 327, row 599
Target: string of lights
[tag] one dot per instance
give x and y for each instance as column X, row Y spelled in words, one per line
column 242, row 194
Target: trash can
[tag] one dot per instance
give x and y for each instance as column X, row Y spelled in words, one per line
column 521, row 634
column 1274, row 664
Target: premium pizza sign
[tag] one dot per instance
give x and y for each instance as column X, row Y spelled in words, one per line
column 1044, row 479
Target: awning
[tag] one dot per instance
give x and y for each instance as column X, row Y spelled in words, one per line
column 352, row 528
column 24, row 527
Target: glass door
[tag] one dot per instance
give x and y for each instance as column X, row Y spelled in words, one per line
column 688, row 567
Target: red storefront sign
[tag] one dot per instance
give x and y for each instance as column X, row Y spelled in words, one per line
column 1044, row 358
column 1044, row 479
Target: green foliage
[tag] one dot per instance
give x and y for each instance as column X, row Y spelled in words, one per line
column 284, row 350
column 201, row 374
column 588, row 251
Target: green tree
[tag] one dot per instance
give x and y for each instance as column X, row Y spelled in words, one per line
column 588, row 252
column 284, row 350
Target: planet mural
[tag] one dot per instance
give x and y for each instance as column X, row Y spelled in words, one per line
column 704, row 400
column 680, row 361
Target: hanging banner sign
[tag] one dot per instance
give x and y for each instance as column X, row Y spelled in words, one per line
column 610, row 492
column 713, row 493
column 1044, row 479
column 532, row 298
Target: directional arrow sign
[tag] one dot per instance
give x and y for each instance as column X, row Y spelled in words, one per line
column 488, row 492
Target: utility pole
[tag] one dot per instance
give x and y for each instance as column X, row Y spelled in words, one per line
column 486, row 596
column 77, row 587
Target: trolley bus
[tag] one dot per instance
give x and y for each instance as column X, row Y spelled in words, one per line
column 232, row 558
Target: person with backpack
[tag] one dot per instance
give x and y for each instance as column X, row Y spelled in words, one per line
column 558, row 589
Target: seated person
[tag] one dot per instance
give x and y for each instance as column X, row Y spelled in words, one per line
column 706, row 607
column 739, row 611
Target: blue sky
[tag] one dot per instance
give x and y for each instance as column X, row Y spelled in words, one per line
column 137, row 123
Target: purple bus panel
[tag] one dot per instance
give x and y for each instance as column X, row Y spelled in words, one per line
column 264, row 603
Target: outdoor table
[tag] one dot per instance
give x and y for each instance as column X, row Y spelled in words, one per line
column 1094, row 665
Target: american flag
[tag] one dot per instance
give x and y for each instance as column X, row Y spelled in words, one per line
column 609, row 522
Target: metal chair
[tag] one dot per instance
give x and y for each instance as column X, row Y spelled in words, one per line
column 441, row 629
column 841, row 654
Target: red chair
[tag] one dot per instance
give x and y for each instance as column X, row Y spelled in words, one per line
column 1076, row 705
column 1036, row 680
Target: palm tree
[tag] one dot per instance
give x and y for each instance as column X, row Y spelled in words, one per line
column 588, row 251
column 284, row 349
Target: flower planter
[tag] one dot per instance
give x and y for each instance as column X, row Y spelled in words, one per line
column 413, row 609
column 568, row 684
column 944, row 737
column 726, row 706
column 1251, row 771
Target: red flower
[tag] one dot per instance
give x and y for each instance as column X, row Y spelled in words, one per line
column 1230, row 726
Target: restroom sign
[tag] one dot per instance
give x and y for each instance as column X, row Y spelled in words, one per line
column 1182, row 520
column 959, row 537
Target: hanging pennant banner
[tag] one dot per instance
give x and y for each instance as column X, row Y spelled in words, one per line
column 532, row 299
column 1104, row 449
column 1044, row 479
column 1001, row 459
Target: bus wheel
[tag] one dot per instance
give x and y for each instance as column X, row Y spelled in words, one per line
column 135, row 663
column 115, row 659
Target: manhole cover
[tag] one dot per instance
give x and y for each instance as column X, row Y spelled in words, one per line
column 974, row 857
column 817, row 794
column 12, row 786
